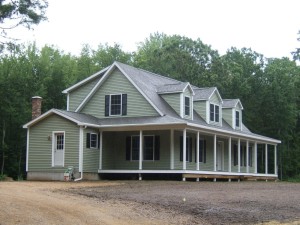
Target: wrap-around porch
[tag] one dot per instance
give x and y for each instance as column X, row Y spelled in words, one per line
column 194, row 153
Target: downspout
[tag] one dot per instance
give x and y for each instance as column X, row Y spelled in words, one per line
column 80, row 153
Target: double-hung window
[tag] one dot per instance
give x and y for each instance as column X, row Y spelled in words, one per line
column 214, row 113
column 187, row 106
column 92, row 140
column 116, row 105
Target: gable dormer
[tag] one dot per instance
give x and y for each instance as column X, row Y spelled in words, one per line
column 179, row 96
column 232, row 113
column 208, row 104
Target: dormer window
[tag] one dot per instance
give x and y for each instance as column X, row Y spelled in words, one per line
column 237, row 118
column 214, row 113
column 187, row 106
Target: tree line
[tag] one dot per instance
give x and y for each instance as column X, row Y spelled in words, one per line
column 268, row 87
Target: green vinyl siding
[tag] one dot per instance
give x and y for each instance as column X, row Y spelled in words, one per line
column 200, row 108
column 227, row 116
column 173, row 100
column 40, row 144
column 79, row 94
column 114, row 151
column 215, row 99
column 90, row 155
column 117, row 83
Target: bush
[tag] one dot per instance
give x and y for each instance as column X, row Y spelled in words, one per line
column 2, row 177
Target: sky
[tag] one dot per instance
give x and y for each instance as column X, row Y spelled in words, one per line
column 268, row 27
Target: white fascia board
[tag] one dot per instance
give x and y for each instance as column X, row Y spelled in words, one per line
column 48, row 113
column 269, row 140
column 84, row 81
column 218, row 94
column 188, row 85
column 95, row 88
column 141, row 92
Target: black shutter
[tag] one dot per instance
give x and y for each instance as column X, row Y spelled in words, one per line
column 195, row 150
column 124, row 104
column 88, row 140
column 201, row 150
column 235, row 155
column 190, row 149
column 204, row 151
column 181, row 148
column 98, row 140
column 128, row 147
column 157, row 148
column 106, row 105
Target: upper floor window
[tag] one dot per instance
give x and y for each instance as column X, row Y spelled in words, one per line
column 116, row 105
column 187, row 107
column 214, row 113
column 237, row 118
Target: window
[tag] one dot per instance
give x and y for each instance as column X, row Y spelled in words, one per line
column 188, row 155
column 214, row 113
column 202, row 151
column 187, row 106
column 151, row 148
column 59, row 141
column 92, row 140
column 237, row 118
column 116, row 105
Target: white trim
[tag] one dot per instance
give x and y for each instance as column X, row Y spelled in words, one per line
column 84, row 81
column 215, row 152
column 68, row 102
column 172, row 149
column 184, row 150
column 255, row 157
column 81, row 149
column 229, row 154
column 27, row 149
column 207, row 112
column 239, row 155
column 275, row 159
column 247, row 156
column 141, row 151
column 192, row 107
column 266, row 158
column 197, row 151
column 53, row 147
column 100, row 150
column 181, row 105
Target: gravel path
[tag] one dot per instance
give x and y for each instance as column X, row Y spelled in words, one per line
column 149, row 202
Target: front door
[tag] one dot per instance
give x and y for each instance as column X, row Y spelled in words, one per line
column 220, row 155
column 58, row 149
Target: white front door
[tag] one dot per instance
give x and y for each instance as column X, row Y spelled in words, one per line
column 58, row 148
column 220, row 155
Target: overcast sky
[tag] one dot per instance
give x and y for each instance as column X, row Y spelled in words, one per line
column 267, row 26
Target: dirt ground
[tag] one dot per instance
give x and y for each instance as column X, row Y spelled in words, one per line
column 149, row 202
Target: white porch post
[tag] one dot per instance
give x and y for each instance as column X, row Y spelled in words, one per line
column 275, row 159
column 215, row 152
column 229, row 155
column 255, row 157
column 239, row 155
column 172, row 149
column 141, row 151
column 247, row 156
column 184, row 150
column 266, row 159
column 197, row 151
column 100, row 151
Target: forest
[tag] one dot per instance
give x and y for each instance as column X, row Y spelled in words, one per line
column 267, row 87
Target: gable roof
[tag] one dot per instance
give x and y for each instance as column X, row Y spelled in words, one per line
column 231, row 103
column 206, row 93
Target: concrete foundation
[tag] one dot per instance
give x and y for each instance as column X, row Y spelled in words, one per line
column 52, row 176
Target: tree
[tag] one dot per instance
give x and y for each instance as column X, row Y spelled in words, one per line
column 25, row 13
column 296, row 53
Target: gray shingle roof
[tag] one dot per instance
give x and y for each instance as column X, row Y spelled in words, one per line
column 231, row 103
column 171, row 88
column 203, row 93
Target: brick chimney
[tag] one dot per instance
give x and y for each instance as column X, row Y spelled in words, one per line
column 36, row 106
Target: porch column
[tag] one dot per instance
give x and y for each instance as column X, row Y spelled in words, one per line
column 184, row 150
column 239, row 155
column 247, row 156
column 141, row 151
column 215, row 152
column 100, row 151
column 255, row 157
column 229, row 154
column 197, row 151
column 275, row 159
column 266, row 159
column 172, row 149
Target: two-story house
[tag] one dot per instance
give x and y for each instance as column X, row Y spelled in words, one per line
column 124, row 120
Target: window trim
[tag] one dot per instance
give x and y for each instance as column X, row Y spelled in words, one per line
column 189, row 106
column 215, row 116
column 119, row 94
